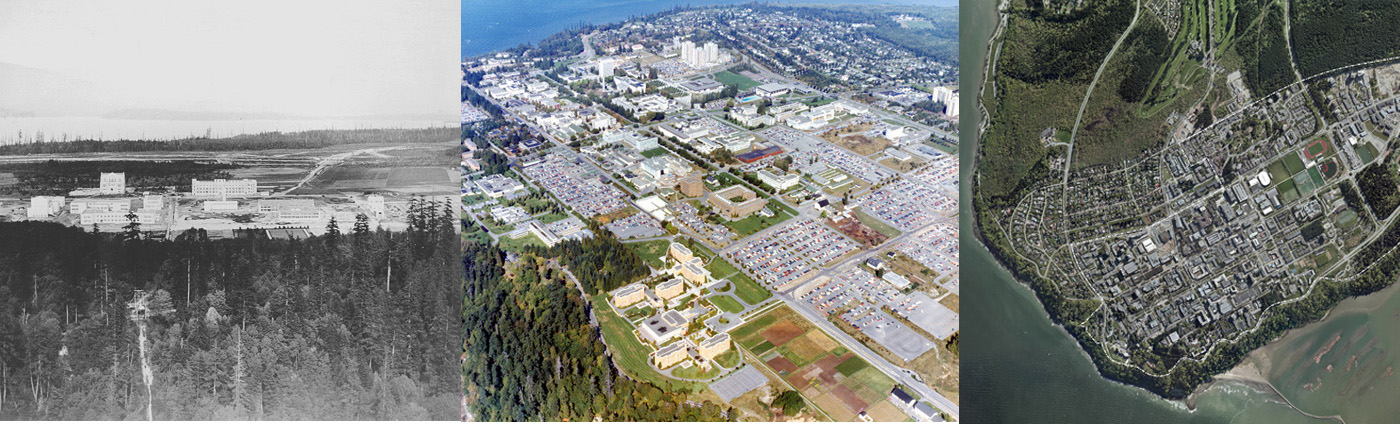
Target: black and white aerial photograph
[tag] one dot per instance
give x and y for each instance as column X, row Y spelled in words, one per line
column 217, row 210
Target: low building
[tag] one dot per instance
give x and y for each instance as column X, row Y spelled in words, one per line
column 274, row 205
column 223, row 188
column 756, row 154
column 497, row 186
column 736, row 202
column 220, row 205
column 631, row 139
column 299, row 215
column 108, row 218
column 714, row 346
column 152, row 202
column 81, row 206
column 663, row 327
column 896, row 280
column 628, row 295
column 670, row 355
column 777, row 181
column 772, row 89
column 670, row 288
column 509, row 214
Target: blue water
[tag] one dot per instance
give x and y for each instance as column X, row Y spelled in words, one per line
column 491, row 25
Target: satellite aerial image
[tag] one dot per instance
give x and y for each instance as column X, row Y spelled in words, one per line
column 728, row 212
column 1202, row 195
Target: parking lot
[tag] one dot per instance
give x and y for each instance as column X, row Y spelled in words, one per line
column 856, row 165
column 786, row 254
column 638, row 225
column 738, row 383
column 905, row 204
column 576, row 185
column 935, row 248
column 864, row 295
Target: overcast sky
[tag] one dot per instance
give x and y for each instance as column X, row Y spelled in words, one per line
column 320, row 58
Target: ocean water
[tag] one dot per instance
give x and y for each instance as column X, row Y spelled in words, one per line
column 94, row 128
column 489, row 26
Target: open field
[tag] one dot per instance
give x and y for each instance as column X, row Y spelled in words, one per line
column 653, row 252
column 740, row 81
column 726, row 303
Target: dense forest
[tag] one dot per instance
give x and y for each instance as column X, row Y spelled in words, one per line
column 60, row 177
column 262, row 141
column 1378, row 184
column 1328, row 34
column 1267, row 66
column 349, row 325
column 530, row 353
column 602, row 262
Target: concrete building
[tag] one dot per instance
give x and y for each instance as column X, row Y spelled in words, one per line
column 681, row 253
column 670, row 355
column 220, row 205
column 736, row 202
column 629, row 295
column 670, row 288
column 111, row 183
column 299, row 215
column 778, row 182
column 663, row 327
column 509, row 214
column 274, row 205
column 45, row 206
column 665, row 166
column 691, row 186
column 223, row 188
column 108, row 218
column 714, row 346
column 152, row 202
column 692, row 271
column 497, row 186
column 772, row 89
column 81, row 206
column 605, row 67
column 631, row 139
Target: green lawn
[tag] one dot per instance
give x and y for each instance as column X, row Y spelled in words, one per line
column 1293, row 163
column 755, row 223
column 653, row 252
column 654, row 152
column 628, row 352
column 740, row 81
column 694, row 372
column 748, row 290
column 726, row 303
column 697, row 248
column 720, row 268
column 552, row 217
column 729, row 359
column 516, row 245
column 876, row 224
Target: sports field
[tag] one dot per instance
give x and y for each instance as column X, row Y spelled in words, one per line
column 740, row 81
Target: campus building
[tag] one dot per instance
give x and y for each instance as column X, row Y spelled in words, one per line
column 663, row 327
column 778, row 182
column 45, row 206
column 670, row 288
column 692, row 271
column 223, row 188
column 670, row 355
column 691, row 186
column 680, row 252
column 81, row 206
column 736, row 202
column 99, row 218
column 111, row 183
column 714, row 346
column 628, row 295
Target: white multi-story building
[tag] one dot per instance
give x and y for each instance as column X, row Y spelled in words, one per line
column 100, row 218
column 45, row 206
column 152, row 202
column 223, row 188
column 631, row 139
column 112, row 183
column 605, row 67
column 778, row 182
column 949, row 98
column 81, row 206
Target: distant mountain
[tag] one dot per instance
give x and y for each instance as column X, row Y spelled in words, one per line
column 176, row 115
column 37, row 92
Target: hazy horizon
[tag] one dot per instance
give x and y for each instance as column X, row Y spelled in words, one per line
column 259, row 60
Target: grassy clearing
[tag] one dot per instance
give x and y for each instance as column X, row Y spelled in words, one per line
column 748, row 290
column 518, row 244
column 726, row 303
column 740, row 81
column 653, row 252
column 875, row 224
column 755, row 223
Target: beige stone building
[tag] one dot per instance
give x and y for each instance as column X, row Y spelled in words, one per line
column 736, row 202
column 670, row 355
column 714, row 346
column 629, row 295
column 681, row 253
column 691, row 186
column 670, row 288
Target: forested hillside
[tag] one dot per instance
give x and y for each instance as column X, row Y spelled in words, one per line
column 530, row 352
column 356, row 325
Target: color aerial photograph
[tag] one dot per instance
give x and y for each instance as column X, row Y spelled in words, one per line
column 229, row 211
column 1182, row 211
column 710, row 211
